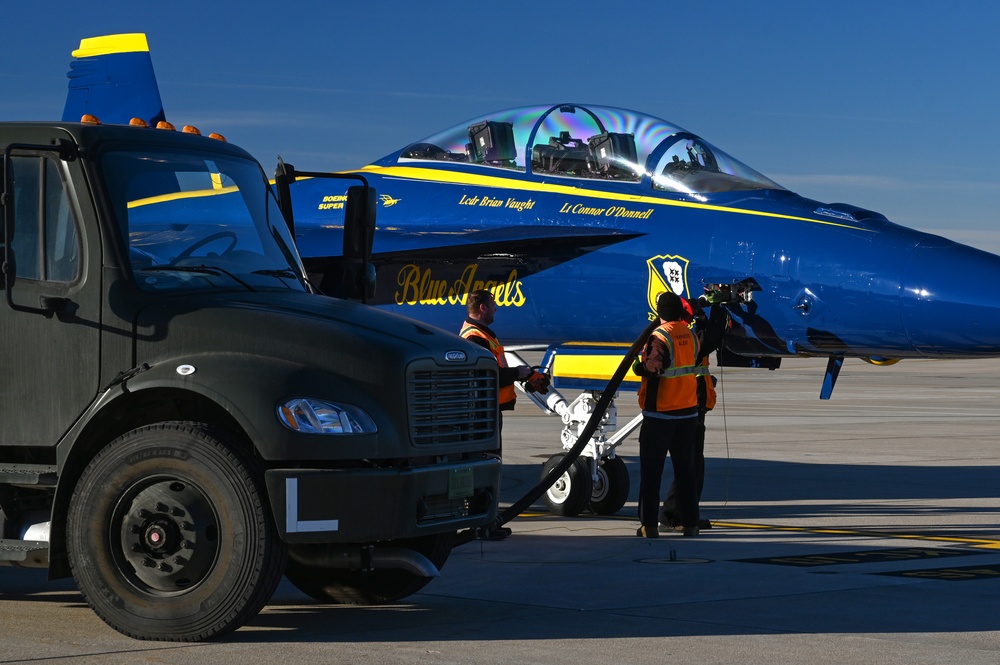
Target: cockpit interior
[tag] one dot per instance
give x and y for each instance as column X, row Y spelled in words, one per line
column 591, row 142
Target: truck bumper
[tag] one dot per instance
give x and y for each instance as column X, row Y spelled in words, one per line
column 370, row 505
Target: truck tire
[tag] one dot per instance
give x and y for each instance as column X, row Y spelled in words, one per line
column 611, row 487
column 345, row 586
column 570, row 494
column 169, row 537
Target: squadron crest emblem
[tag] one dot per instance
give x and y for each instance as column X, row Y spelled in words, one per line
column 667, row 273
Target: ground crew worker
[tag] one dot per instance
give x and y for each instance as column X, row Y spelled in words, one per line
column 709, row 332
column 669, row 516
column 668, row 397
column 482, row 309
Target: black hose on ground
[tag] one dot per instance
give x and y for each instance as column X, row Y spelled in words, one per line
column 588, row 431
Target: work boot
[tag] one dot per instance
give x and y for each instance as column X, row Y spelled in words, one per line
column 647, row 532
column 690, row 531
column 668, row 520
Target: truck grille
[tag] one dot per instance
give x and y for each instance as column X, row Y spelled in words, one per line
column 452, row 406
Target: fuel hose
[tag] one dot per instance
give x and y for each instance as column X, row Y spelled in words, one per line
column 603, row 403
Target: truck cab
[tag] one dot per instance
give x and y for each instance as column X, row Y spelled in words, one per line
column 185, row 419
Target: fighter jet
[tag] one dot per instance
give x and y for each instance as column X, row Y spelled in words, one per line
column 577, row 215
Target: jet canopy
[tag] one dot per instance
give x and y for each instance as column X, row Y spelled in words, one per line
column 598, row 143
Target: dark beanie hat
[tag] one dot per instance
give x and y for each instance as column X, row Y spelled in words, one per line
column 668, row 306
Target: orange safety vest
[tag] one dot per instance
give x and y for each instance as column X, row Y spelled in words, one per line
column 706, row 387
column 675, row 388
column 507, row 395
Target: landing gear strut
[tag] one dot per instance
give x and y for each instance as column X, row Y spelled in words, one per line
column 598, row 479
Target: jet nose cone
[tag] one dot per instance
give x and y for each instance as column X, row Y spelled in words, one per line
column 950, row 300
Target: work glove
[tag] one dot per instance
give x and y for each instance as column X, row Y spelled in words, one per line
column 537, row 382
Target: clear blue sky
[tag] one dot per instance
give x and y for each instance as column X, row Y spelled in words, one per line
column 893, row 106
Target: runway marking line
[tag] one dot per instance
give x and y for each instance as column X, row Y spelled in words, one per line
column 979, row 543
column 984, row 543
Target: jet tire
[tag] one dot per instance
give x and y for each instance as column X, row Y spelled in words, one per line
column 570, row 494
column 611, row 487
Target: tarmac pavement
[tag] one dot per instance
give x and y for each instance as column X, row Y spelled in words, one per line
column 863, row 529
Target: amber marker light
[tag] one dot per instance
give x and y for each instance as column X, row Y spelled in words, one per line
column 218, row 137
column 190, row 129
column 138, row 122
column 288, row 418
column 163, row 124
column 90, row 119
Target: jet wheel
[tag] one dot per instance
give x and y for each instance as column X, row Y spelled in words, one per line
column 611, row 486
column 570, row 494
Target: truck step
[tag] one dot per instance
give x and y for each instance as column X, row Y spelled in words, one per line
column 27, row 553
column 28, row 474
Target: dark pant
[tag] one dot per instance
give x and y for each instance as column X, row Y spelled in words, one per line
column 670, row 503
column 657, row 438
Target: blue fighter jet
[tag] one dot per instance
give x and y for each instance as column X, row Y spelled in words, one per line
column 577, row 215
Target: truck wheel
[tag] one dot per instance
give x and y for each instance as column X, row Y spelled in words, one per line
column 611, row 487
column 168, row 536
column 570, row 494
column 347, row 586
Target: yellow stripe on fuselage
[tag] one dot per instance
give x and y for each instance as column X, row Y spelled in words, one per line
column 460, row 178
column 596, row 345
column 125, row 43
column 591, row 366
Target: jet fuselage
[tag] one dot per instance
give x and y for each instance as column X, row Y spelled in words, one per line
column 576, row 250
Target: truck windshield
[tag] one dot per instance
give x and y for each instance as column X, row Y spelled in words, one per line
column 196, row 220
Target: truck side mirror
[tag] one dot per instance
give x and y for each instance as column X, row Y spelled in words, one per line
column 284, row 176
column 359, row 222
column 359, row 235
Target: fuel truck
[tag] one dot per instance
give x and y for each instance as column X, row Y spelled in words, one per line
column 185, row 419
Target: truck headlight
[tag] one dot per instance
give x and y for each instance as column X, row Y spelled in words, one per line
column 314, row 416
